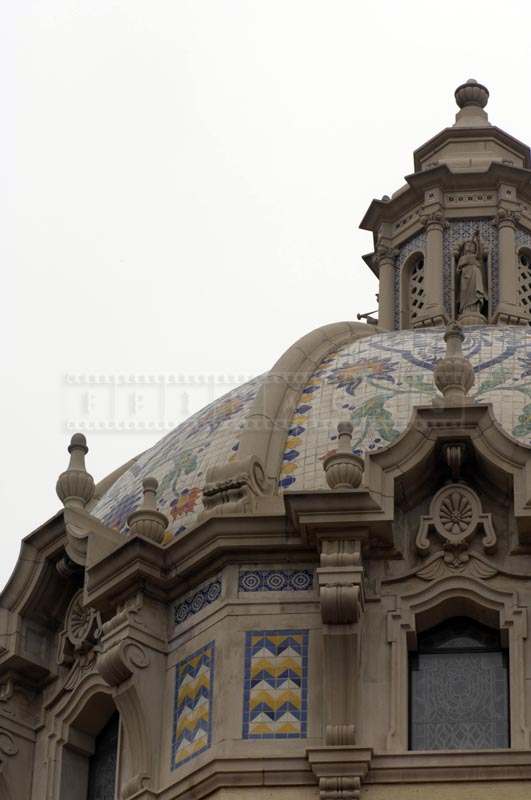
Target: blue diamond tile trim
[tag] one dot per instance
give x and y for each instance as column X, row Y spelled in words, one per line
column 197, row 600
column 276, row 580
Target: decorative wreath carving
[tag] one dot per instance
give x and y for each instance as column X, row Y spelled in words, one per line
column 455, row 515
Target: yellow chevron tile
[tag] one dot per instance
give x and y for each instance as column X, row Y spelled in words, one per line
column 275, row 666
column 260, row 727
column 192, row 689
column 274, row 701
column 189, row 723
column 288, row 727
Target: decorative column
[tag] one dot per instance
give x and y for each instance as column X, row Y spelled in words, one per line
column 385, row 257
column 508, row 310
column 434, row 312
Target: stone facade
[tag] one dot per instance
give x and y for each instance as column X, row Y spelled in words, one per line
column 249, row 595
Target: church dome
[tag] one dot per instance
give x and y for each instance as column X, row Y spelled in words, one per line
column 374, row 382
column 454, row 243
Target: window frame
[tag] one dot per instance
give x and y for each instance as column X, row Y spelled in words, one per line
column 455, row 596
column 413, row 652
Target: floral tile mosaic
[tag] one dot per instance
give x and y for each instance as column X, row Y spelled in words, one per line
column 194, row 686
column 375, row 383
column 275, row 693
column 179, row 462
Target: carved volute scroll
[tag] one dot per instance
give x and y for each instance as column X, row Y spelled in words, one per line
column 341, row 581
column 234, row 487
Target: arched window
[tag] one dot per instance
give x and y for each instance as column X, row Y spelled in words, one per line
column 413, row 290
column 459, row 688
column 524, row 279
column 102, row 764
column 89, row 762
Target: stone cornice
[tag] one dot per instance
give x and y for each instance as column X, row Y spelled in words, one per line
column 292, row 770
column 340, row 514
column 45, row 543
column 445, row 765
column 160, row 571
column 489, row 133
column 381, row 211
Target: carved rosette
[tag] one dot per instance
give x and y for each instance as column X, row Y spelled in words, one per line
column 455, row 515
column 82, row 630
column 78, row 640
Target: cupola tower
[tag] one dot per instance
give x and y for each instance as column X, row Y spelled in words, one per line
column 455, row 241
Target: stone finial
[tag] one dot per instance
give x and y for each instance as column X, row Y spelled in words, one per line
column 75, row 487
column 343, row 469
column 147, row 521
column 453, row 374
column 471, row 97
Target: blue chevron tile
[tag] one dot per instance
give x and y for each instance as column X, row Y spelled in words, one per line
column 194, row 685
column 275, row 699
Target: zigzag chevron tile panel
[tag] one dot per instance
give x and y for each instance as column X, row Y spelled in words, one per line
column 275, row 695
column 194, row 685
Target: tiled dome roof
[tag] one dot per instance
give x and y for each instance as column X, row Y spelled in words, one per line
column 179, row 462
column 373, row 381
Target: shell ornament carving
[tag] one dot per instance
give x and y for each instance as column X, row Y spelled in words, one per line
column 455, row 514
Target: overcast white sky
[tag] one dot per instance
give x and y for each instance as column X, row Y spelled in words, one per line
column 181, row 188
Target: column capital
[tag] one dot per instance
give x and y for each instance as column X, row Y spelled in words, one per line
column 432, row 219
column 506, row 217
column 385, row 252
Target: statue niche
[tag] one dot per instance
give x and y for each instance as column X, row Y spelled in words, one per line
column 471, row 270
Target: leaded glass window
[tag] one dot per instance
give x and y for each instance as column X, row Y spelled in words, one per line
column 459, row 696
column 102, row 767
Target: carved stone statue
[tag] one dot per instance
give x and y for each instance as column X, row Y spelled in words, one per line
column 471, row 279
